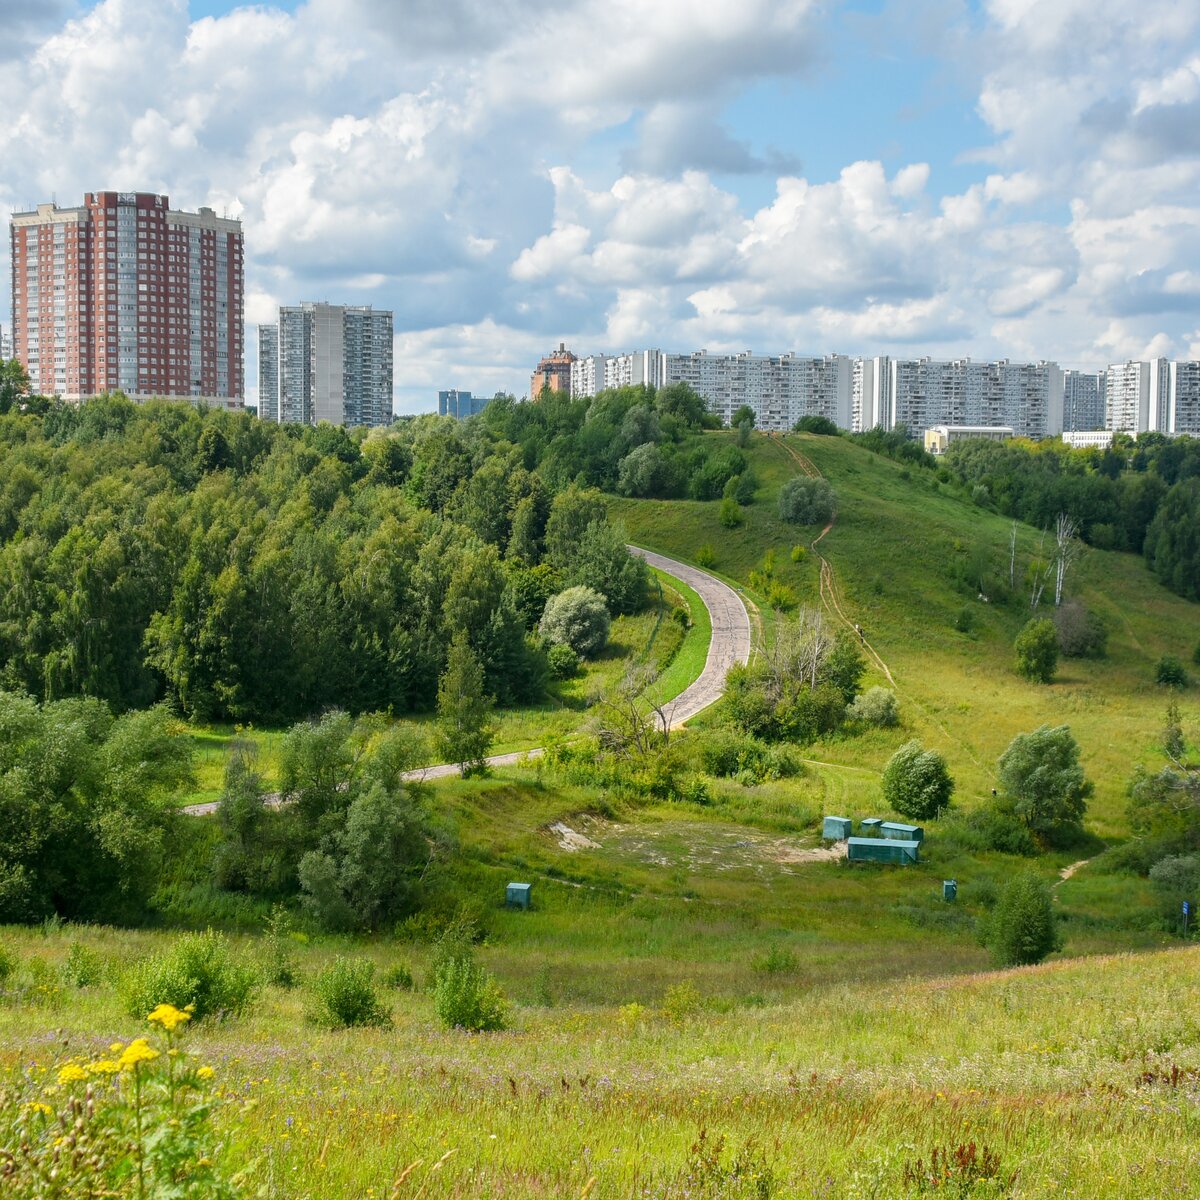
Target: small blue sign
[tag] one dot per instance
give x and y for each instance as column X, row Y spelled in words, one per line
column 1187, row 908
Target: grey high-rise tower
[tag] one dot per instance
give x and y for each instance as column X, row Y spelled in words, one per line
column 326, row 362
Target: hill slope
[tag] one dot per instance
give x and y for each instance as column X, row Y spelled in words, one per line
column 905, row 550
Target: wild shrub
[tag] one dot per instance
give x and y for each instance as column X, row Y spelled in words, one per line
column 1037, row 650
column 916, row 782
column 1170, row 672
column 8, row 964
column 876, row 706
column 1021, row 929
column 279, row 962
column 960, row 1171
column 399, row 977
column 804, row 501
column 778, row 960
column 706, row 556
column 1081, row 632
column 83, row 967
column 344, row 996
column 468, row 997
column 714, row 1172
column 199, row 971
column 564, row 662
column 456, row 940
column 999, row 828
column 577, row 617
column 681, row 1001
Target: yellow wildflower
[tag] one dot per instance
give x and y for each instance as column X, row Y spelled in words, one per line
column 205, row 1073
column 72, row 1073
column 138, row 1051
column 116, row 1048
column 105, row 1066
column 38, row 1107
column 168, row 1016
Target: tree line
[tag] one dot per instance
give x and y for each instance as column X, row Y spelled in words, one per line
column 253, row 572
column 1142, row 497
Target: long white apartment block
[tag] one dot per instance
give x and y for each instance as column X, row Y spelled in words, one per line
column 1034, row 400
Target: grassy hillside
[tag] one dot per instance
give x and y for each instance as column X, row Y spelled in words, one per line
column 900, row 548
column 1078, row 1076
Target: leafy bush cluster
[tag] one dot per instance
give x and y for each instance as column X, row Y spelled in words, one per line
column 198, row 973
column 576, row 618
column 804, row 501
column 750, row 761
column 345, row 996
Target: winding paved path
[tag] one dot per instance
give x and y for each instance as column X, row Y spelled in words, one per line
column 729, row 646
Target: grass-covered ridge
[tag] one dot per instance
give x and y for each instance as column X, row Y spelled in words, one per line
column 904, row 549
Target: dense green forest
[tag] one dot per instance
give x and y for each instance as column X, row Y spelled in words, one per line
column 262, row 573
column 1143, row 496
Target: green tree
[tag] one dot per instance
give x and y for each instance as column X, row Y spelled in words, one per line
column 14, row 384
column 804, row 501
column 464, row 730
column 572, row 512
column 603, row 561
column 1021, row 929
column 577, row 618
column 1170, row 672
column 744, row 415
column 917, row 783
column 1041, row 777
column 365, row 874
column 1037, row 650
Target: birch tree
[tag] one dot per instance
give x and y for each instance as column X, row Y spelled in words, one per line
column 1066, row 551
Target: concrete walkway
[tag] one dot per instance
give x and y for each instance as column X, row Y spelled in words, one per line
column 729, row 646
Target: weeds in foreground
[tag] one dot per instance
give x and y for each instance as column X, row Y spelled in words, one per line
column 137, row 1124
column 962, row 1171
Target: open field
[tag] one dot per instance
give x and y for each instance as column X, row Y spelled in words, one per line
column 1082, row 1076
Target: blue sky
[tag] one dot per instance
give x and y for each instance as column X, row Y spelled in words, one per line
column 992, row 178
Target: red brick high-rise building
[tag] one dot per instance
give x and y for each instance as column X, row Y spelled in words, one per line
column 125, row 293
column 553, row 372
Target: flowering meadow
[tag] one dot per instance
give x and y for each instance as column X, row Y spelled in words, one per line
column 1078, row 1078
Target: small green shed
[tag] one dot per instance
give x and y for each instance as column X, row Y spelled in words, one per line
column 871, row 825
column 518, row 895
column 902, row 833
column 837, row 829
column 883, row 850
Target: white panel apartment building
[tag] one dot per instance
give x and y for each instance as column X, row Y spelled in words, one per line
column 1183, row 412
column 1026, row 397
column 1083, row 401
column 600, row 371
column 326, row 362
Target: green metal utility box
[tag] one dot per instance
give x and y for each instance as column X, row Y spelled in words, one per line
column 882, row 850
column 518, row 895
column 870, row 825
column 902, row 833
column 837, row 829
column 949, row 890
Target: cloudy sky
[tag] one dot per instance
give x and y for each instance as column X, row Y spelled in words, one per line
column 1012, row 178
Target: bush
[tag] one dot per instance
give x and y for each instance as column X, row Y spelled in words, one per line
column 199, row 971
column 1169, row 672
column 814, row 423
column 916, row 782
column 1000, row 829
column 1037, row 650
column 399, row 977
column 681, row 1000
column 345, row 996
column 8, row 964
column 799, row 553
column 1081, row 632
column 804, row 501
column 706, row 556
column 730, row 514
column 876, row 706
column 577, row 617
column 777, row 961
column 1040, row 776
column 564, row 662
column 82, row 968
column 964, row 619
column 1021, row 928
column 280, row 968
column 468, row 997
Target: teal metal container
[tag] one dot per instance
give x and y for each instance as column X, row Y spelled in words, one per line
column 949, row 890
column 518, row 895
column 902, row 833
column 837, row 829
column 871, row 825
column 882, row 850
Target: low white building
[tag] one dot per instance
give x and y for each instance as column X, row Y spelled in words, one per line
column 1088, row 439
column 940, row 437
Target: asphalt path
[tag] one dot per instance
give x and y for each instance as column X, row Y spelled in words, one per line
column 729, row 646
